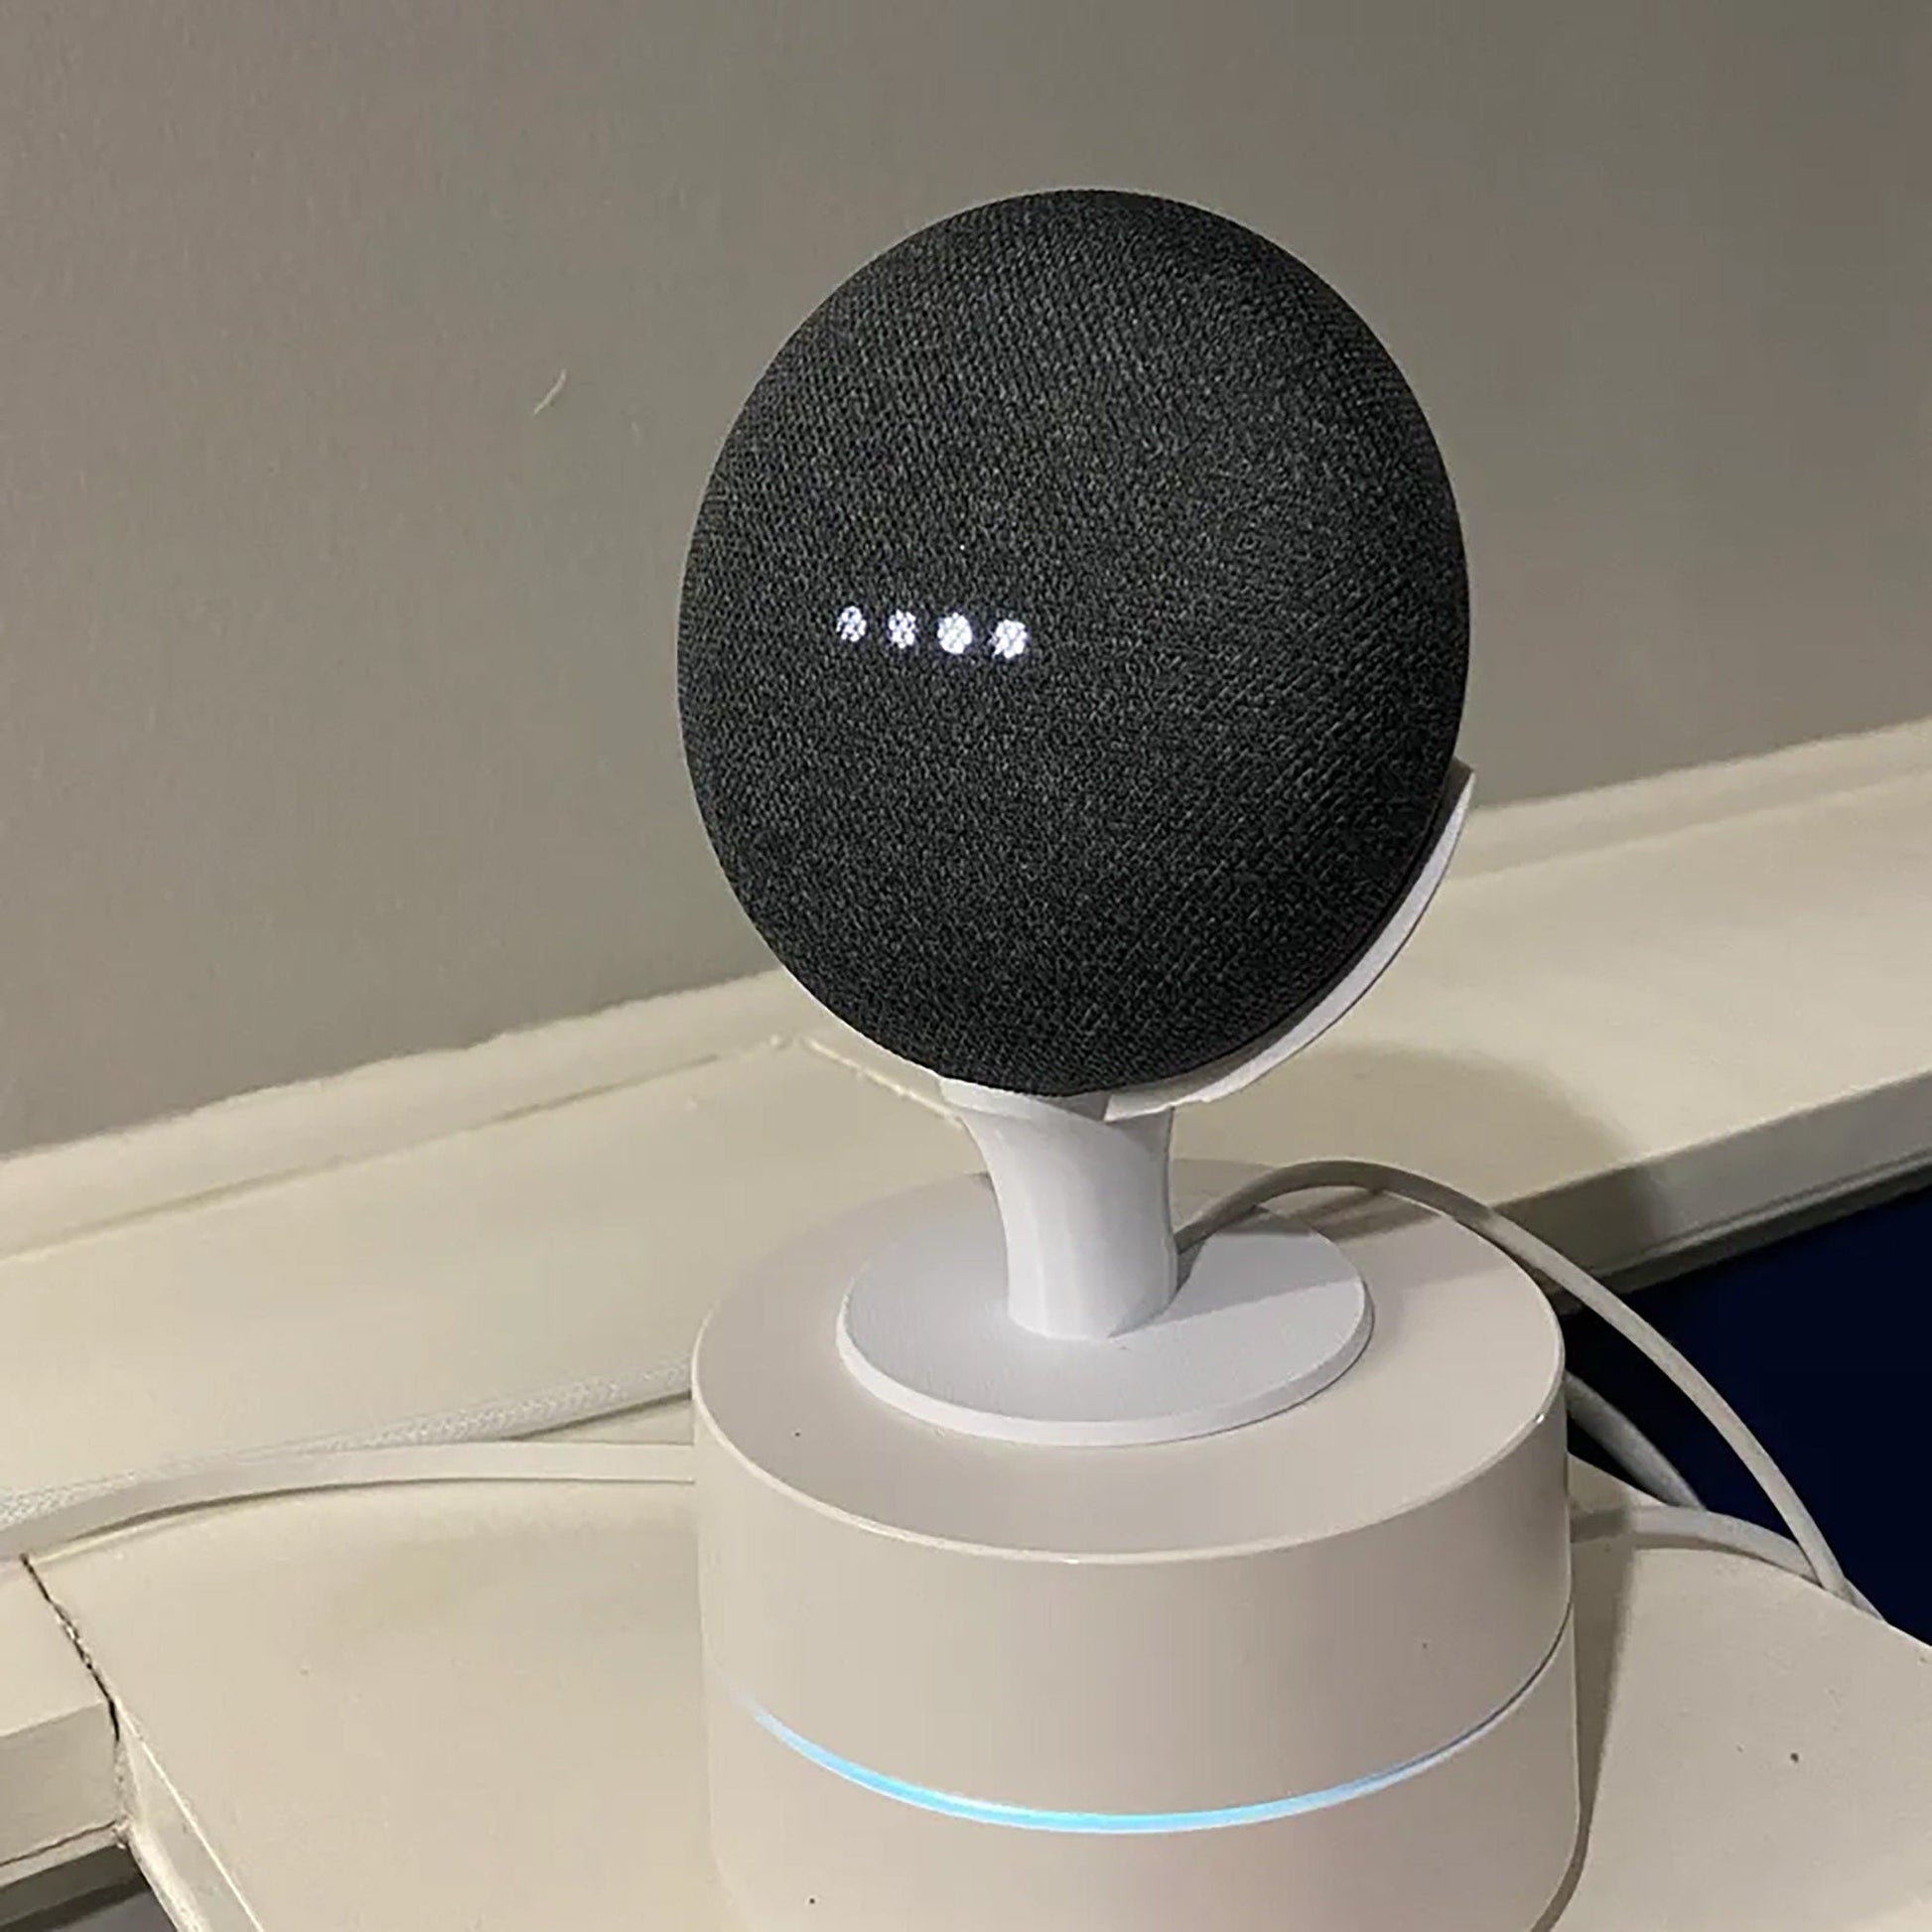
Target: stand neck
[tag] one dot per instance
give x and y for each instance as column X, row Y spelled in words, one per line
column 1085, row 1208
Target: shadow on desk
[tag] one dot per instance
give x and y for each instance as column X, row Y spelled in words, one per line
column 1754, row 1753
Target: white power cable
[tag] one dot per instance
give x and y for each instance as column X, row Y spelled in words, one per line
column 470, row 1445
column 596, row 1400
column 1555, row 1271
column 1632, row 1450
column 307, row 1473
column 1698, row 1529
column 298, row 1472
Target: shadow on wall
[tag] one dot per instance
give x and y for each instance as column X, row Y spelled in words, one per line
column 125, row 1911
column 1602, row 1586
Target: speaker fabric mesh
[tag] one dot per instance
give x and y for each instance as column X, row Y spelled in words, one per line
column 1166, row 806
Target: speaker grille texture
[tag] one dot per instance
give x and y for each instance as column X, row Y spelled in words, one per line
column 1073, row 643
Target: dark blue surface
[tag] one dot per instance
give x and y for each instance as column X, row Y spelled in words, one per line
column 1823, row 1342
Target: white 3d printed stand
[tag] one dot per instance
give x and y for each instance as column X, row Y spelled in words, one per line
column 1052, row 1585
column 986, row 1317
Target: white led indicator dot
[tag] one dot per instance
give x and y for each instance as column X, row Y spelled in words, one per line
column 1010, row 638
column 852, row 623
column 955, row 634
column 902, row 628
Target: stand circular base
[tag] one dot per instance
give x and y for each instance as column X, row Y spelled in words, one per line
column 1266, row 1317
column 1315, row 1671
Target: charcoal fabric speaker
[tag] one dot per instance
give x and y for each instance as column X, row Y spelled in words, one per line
column 1073, row 643
column 1072, row 652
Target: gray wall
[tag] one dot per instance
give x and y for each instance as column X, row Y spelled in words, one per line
column 335, row 699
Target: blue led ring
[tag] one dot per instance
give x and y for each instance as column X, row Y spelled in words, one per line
column 1138, row 1824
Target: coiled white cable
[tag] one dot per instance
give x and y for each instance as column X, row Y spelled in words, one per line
column 1632, row 1450
column 1555, row 1271
column 1698, row 1529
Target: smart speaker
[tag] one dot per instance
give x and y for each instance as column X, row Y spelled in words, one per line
column 1070, row 663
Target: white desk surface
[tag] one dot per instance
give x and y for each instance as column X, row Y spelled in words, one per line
column 362, row 1711
column 475, row 1711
